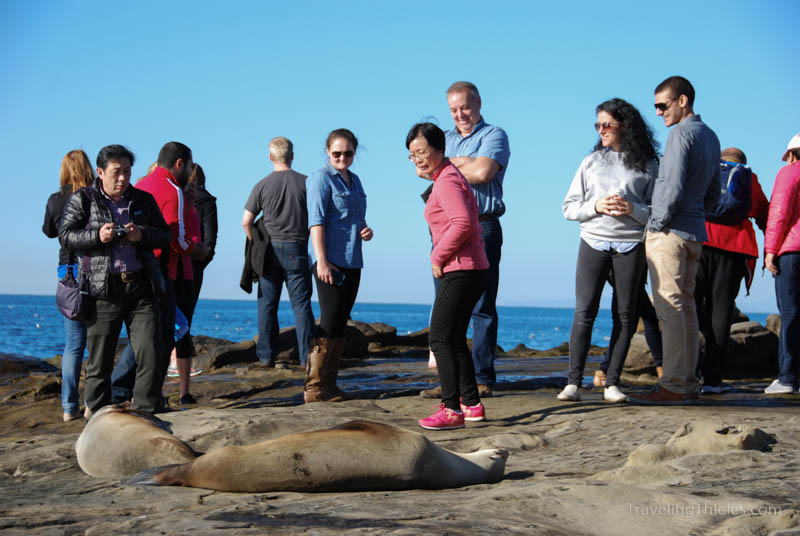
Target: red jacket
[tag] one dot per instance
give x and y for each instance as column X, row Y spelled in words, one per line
column 783, row 227
column 741, row 238
column 170, row 199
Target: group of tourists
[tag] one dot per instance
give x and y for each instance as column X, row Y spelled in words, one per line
column 143, row 249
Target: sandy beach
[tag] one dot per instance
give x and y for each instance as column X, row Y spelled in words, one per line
column 727, row 466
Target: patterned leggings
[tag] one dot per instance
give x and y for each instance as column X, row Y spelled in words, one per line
column 457, row 295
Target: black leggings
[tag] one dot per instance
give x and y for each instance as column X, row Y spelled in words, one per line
column 336, row 302
column 456, row 297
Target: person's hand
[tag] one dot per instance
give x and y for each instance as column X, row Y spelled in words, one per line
column 134, row 233
column 437, row 271
column 325, row 272
column 106, row 233
column 769, row 263
column 613, row 205
column 366, row 234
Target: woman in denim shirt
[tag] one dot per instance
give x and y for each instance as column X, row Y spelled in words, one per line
column 76, row 172
column 337, row 207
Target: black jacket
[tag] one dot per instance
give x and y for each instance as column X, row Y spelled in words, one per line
column 87, row 211
column 255, row 256
column 52, row 219
column 206, row 206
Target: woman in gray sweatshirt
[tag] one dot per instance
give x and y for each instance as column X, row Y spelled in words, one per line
column 610, row 197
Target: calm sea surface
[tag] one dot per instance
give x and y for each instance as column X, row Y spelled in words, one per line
column 32, row 325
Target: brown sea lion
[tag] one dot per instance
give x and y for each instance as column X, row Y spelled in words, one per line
column 355, row 456
column 119, row 441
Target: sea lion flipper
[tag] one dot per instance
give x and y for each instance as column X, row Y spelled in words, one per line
column 155, row 476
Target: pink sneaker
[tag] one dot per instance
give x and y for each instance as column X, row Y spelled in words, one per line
column 443, row 419
column 474, row 413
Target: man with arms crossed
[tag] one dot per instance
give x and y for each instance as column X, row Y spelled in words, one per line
column 481, row 152
column 687, row 184
column 281, row 196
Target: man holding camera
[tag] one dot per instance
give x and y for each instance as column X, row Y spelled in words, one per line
column 117, row 227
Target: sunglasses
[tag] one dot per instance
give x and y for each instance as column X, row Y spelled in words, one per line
column 664, row 106
column 339, row 154
column 604, row 126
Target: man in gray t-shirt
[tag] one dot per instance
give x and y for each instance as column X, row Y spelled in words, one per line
column 281, row 198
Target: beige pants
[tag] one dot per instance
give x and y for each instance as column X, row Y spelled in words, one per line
column 673, row 264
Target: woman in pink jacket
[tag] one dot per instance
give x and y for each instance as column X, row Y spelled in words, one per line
column 459, row 260
column 782, row 248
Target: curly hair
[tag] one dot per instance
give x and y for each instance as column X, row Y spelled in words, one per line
column 638, row 144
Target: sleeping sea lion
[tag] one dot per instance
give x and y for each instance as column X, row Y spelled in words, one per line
column 119, row 441
column 355, row 456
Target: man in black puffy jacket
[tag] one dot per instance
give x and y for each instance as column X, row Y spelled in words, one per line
column 117, row 227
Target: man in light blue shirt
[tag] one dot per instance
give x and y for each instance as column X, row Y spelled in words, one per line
column 684, row 189
column 481, row 153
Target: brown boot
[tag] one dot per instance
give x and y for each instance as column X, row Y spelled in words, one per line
column 332, row 370
column 314, row 388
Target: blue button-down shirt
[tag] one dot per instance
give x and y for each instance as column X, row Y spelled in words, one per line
column 342, row 210
column 492, row 142
column 682, row 192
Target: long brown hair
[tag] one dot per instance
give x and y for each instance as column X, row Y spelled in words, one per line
column 76, row 171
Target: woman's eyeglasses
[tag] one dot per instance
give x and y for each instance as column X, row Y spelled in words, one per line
column 604, row 126
column 419, row 155
column 339, row 154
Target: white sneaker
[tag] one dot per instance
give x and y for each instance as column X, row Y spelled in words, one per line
column 570, row 392
column 613, row 394
column 777, row 388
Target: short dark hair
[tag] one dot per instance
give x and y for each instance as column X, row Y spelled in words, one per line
column 341, row 133
column 679, row 86
column 113, row 152
column 171, row 152
column 432, row 134
column 734, row 154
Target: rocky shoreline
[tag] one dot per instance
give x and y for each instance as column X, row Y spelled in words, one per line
column 727, row 466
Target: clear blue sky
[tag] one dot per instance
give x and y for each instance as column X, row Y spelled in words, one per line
column 226, row 77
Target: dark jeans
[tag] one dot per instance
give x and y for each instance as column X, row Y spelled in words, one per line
column 336, row 302
column 645, row 311
column 125, row 372
column 787, row 291
column 287, row 261
column 484, row 315
column 133, row 304
column 590, row 278
column 717, row 284
column 456, row 296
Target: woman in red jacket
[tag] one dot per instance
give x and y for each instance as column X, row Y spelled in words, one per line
column 782, row 247
column 459, row 260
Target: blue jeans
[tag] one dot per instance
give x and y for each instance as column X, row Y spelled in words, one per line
column 787, row 292
column 287, row 261
column 71, row 360
column 484, row 315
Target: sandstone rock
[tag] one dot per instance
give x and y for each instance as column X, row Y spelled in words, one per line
column 418, row 338
column 229, row 354
column 774, row 324
column 752, row 352
column 639, row 359
column 12, row 365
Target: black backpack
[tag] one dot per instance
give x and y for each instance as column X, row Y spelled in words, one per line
column 735, row 199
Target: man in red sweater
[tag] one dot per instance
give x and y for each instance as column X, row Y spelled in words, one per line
column 729, row 255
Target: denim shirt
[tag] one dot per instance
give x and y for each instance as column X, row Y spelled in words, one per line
column 489, row 141
column 686, row 181
column 341, row 210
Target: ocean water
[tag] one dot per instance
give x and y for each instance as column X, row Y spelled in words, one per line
column 32, row 325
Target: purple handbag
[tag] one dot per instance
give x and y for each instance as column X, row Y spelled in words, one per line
column 72, row 296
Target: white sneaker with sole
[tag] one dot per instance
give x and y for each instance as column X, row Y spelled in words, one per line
column 613, row 394
column 777, row 388
column 570, row 392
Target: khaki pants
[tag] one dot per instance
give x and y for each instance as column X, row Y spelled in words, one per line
column 673, row 264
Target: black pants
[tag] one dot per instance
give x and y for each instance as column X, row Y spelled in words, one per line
column 336, row 301
column 456, row 296
column 590, row 278
column 718, row 280
column 133, row 304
